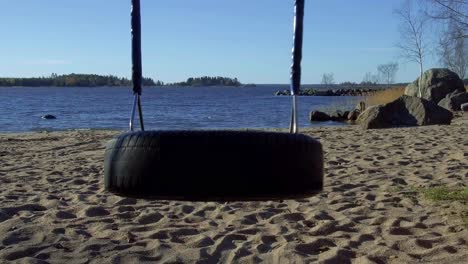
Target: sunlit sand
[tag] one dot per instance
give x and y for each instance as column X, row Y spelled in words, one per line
column 54, row 207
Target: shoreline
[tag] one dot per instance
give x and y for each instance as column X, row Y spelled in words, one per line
column 54, row 207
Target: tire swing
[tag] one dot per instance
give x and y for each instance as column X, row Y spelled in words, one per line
column 216, row 164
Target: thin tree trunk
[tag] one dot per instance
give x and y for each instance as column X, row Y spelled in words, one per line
column 420, row 79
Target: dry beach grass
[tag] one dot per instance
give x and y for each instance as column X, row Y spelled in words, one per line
column 385, row 96
column 373, row 209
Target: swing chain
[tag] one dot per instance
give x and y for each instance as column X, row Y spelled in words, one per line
column 136, row 63
column 296, row 62
column 136, row 102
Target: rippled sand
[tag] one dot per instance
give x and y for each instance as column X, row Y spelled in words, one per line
column 53, row 206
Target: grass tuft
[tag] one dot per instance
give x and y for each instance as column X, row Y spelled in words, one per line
column 446, row 194
column 439, row 194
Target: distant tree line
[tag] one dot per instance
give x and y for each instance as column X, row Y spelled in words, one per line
column 208, row 81
column 77, row 80
column 386, row 74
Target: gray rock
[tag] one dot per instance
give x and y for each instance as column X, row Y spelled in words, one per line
column 353, row 115
column 372, row 117
column 345, row 115
column 404, row 111
column 454, row 100
column 49, row 117
column 464, row 107
column 319, row 116
column 361, row 106
column 436, row 84
column 338, row 115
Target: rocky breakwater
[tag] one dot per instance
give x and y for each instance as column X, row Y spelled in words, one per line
column 336, row 92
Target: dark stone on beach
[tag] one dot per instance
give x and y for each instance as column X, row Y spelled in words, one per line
column 338, row 115
column 345, row 115
column 361, row 106
column 353, row 115
column 403, row 112
column 319, row 116
column 454, row 100
column 436, row 84
column 464, row 107
column 49, row 117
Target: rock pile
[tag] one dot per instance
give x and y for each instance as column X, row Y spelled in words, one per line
column 436, row 84
column 454, row 100
column 403, row 112
column 338, row 115
column 442, row 91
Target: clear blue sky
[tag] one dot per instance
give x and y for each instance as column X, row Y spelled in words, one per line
column 248, row 39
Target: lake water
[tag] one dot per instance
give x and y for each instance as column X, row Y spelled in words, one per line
column 163, row 108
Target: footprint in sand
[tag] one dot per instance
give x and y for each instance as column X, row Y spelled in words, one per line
column 202, row 242
column 315, row 247
column 399, row 231
column 79, row 182
column 150, row 218
column 96, row 211
column 355, row 243
column 337, row 255
column 127, row 201
column 179, row 235
column 292, row 217
column 267, row 244
column 123, row 209
column 65, row 215
column 323, row 215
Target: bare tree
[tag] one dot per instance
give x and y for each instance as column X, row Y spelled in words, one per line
column 452, row 17
column 453, row 50
column 388, row 72
column 370, row 79
column 375, row 78
column 412, row 33
column 327, row 79
column 367, row 80
column 453, row 12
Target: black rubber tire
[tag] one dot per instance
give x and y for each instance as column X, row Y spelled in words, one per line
column 221, row 165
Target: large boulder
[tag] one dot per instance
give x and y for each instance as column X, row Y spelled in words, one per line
column 436, row 84
column 404, row 111
column 319, row 116
column 453, row 101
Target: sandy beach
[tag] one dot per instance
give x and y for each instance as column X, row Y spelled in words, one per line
column 54, row 208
